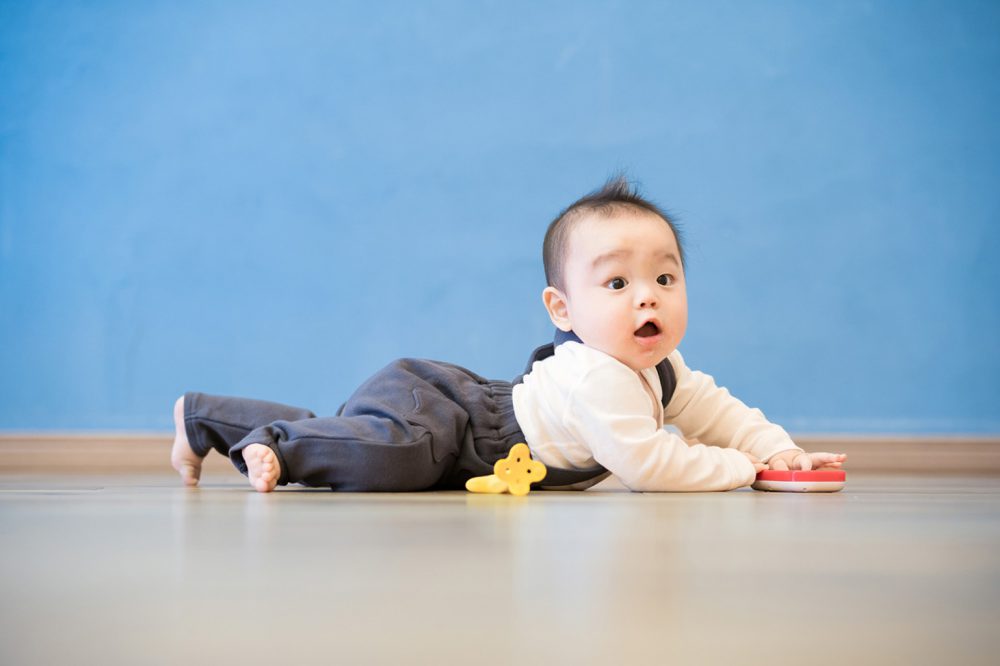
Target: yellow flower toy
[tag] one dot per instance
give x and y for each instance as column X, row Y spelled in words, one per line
column 513, row 474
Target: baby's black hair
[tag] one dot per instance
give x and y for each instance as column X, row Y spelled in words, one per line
column 617, row 194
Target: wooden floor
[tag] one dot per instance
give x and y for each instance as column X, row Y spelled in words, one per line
column 134, row 569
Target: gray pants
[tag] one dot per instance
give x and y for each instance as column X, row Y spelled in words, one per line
column 415, row 425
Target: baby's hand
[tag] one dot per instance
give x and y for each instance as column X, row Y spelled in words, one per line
column 758, row 466
column 803, row 460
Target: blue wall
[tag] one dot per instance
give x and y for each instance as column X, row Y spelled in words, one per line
column 270, row 200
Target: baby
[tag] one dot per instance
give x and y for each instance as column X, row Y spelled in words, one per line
column 590, row 405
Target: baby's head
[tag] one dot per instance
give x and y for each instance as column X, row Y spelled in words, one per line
column 615, row 271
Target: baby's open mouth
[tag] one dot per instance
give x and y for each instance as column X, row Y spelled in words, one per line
column 647, row 330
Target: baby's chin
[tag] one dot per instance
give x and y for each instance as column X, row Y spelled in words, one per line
column 640, row 368
column 644, row 362
column 637, row 362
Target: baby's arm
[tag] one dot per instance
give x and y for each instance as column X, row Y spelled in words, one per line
column 610, row 413
column 708, row 413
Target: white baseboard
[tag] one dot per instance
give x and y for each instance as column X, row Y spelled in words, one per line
column 149, row 453
column 93, row 453
column 918, row 454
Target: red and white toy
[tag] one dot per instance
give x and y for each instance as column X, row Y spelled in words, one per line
column 801, row 481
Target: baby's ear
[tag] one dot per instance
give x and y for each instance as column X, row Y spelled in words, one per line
column 556, row 305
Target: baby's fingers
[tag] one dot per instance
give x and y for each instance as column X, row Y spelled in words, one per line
column 758, row 466
column 780, row 465
column 828, row 460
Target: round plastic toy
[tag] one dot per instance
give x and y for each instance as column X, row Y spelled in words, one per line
column 801, row 481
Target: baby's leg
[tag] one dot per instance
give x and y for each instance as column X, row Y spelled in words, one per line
column 182, row 456
column 263, row 468
column 204, row 422
column 403, row 430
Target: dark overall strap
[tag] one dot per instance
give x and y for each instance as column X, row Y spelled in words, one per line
column 665, row 371
column 567, row 477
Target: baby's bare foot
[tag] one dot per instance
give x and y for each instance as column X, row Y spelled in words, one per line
column 262, row 467
column 182, row 457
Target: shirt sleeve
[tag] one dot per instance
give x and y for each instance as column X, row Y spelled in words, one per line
column 707, row 413
column 611, row 412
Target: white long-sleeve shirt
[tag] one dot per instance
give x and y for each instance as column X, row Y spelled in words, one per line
column 581, row 408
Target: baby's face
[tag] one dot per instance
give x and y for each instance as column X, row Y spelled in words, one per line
column 625, row 293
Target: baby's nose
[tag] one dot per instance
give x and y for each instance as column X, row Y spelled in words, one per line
column 645, row 295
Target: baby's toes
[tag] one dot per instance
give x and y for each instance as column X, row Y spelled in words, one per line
column 270, row 470
column 189, row 474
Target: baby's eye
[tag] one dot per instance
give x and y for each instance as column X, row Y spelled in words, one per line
column 616, row 284
column 666, row 279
